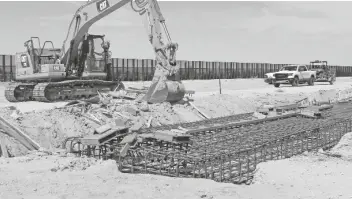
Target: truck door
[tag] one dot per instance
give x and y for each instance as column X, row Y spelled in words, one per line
column 303, row 72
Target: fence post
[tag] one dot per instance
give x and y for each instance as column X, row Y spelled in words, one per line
column 152, row 68
column 112, row 70
column 338, row 71
column 123, row 70
column 133, row 69
column 221, row 68
column 117, row 74
column 237, row 66
column 226, row 70
column 11, row 73
column 195, row 70
column 136, row 64
column 200, row 69
column 246, row 69
column 147, row 69
column 232, row 70
column 143, row 72
column 3, row 68
column 238, row 70
column 207, row 70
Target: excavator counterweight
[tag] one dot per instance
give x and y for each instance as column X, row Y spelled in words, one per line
column 80, row 69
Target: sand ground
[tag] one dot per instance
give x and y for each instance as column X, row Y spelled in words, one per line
column 37, row 175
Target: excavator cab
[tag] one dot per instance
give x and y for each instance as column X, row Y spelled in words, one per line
column 93, row 61
column 97, row 61
column 37, row 62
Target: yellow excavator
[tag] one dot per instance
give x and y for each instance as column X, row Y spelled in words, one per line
column 81, row 68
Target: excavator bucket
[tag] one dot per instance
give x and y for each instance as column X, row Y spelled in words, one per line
column 157, row 92
column 164, row 90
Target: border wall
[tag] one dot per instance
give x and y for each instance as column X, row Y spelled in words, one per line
column 142, row 69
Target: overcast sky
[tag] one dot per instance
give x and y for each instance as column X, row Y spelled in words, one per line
column 272, row 32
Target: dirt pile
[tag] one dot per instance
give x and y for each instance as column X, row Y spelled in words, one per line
column 74, row 164
column 49, row 128
column 224, row 105
column 344, row 148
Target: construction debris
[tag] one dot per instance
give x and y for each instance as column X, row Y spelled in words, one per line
column 3, row 149
column 195, row 107
column 99, row 139
column 15, row 132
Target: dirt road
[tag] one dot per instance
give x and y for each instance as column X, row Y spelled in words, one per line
column 306, row 176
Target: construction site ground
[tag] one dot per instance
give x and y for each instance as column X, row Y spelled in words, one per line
column 49, row 173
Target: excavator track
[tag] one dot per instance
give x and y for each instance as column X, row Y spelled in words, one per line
column 59, row 91
column 19, row 92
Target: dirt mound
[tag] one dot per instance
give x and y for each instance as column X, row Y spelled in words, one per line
column 224, row 105
column 49, row 128
column 344, row 147
column 74, row 164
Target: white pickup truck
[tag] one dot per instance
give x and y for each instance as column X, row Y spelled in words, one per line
column 294, row 75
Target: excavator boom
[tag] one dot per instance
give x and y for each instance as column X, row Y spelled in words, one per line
column 164, row 80
column 83, row 19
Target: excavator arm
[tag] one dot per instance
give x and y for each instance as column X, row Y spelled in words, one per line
column 165, row 81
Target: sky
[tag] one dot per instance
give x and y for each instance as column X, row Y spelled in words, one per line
column 266, row 32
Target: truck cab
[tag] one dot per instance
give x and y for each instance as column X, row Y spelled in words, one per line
column 294, row 74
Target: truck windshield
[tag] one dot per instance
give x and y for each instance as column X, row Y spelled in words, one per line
column 289, row 68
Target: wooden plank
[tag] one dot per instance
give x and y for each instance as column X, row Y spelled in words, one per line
column 18, row 134
column 4, row 152
column 202, row 113
column 99, row 139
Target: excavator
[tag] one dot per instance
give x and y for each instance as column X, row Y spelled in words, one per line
column 82, row 67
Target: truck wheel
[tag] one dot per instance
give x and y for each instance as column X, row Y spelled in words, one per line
column 270, row 82
column 295, row 82
column 311, row 81
column 277, row 85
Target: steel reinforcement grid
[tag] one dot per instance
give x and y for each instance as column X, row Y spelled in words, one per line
column 231, row 153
